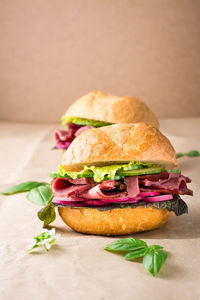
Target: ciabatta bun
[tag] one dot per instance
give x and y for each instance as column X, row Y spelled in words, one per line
column 113, row 109
column 119, row 143
column 118, row 221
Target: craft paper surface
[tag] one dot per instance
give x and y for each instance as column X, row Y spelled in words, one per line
column 77, row 267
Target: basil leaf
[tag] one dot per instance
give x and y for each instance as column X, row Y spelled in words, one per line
column 179, row 154
column 126, row 244
column 193, row 153
column 40, row 195
column 154, row 260
column 47, row 214
column 136, row 253
column 23, row 187
column 155, row 247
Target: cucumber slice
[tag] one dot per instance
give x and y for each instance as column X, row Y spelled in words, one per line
column 143, row 171
column 174, row 171
column 84, row 122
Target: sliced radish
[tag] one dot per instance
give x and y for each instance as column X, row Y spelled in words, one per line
column 159, row 198
column 95, row 202
column 68, row 199
column 144, row 194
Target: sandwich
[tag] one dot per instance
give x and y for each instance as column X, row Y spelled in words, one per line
column 98, row 109
column 119, row 179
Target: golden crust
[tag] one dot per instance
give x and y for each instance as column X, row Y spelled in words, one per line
column 119, row 143
column 114, row 222
column 108, row 108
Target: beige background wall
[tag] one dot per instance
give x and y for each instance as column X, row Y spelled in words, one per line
column 53, row 51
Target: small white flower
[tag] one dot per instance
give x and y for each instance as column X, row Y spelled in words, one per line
column 46, row 238
column 47, row 246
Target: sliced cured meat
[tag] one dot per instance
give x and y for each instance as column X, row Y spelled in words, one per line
column 80, row 180
column 65, row 137
column 63, row 188
column 105, row 190
column 129, row 188
column 82, row 129
column 174, row 183
column 132, row 186
column 155, row 177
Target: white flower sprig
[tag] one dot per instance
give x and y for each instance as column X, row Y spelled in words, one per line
column 46, row 238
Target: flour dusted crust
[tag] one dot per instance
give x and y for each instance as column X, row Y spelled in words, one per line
column 117, row 221
column 108, row 108
column 119, row 143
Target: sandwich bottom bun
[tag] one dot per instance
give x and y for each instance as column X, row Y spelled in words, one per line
column 116, row 221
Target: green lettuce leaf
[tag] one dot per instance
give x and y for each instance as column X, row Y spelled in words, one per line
column 85, row 122
column 103, row 173
column 113, row 172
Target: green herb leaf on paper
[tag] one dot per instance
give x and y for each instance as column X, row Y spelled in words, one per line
column 136, row 253
column 47, row 214
column 191, row 153
column 40, row 195
column 126, row 244
column 46, row 238
column 153, row 256
column 155, row 247
column 23, row 187
column 154, row 259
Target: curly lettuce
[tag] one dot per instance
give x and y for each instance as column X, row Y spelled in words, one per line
column 102, row 173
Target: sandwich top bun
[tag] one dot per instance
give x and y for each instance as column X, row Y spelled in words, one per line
column 113, row 109
column 119, row 143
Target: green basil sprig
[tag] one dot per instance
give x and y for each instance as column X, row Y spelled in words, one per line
column 22, row 187
column 153, row 256
column 39, row 193
column 191, row 153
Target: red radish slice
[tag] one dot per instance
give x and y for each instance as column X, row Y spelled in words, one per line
column 144, row 194
column 122, row 200
column 133, row 200
column 68, row 199
column 95, row 202
column 159, row 198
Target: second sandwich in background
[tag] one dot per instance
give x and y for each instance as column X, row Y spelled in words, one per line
column 98, row 109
